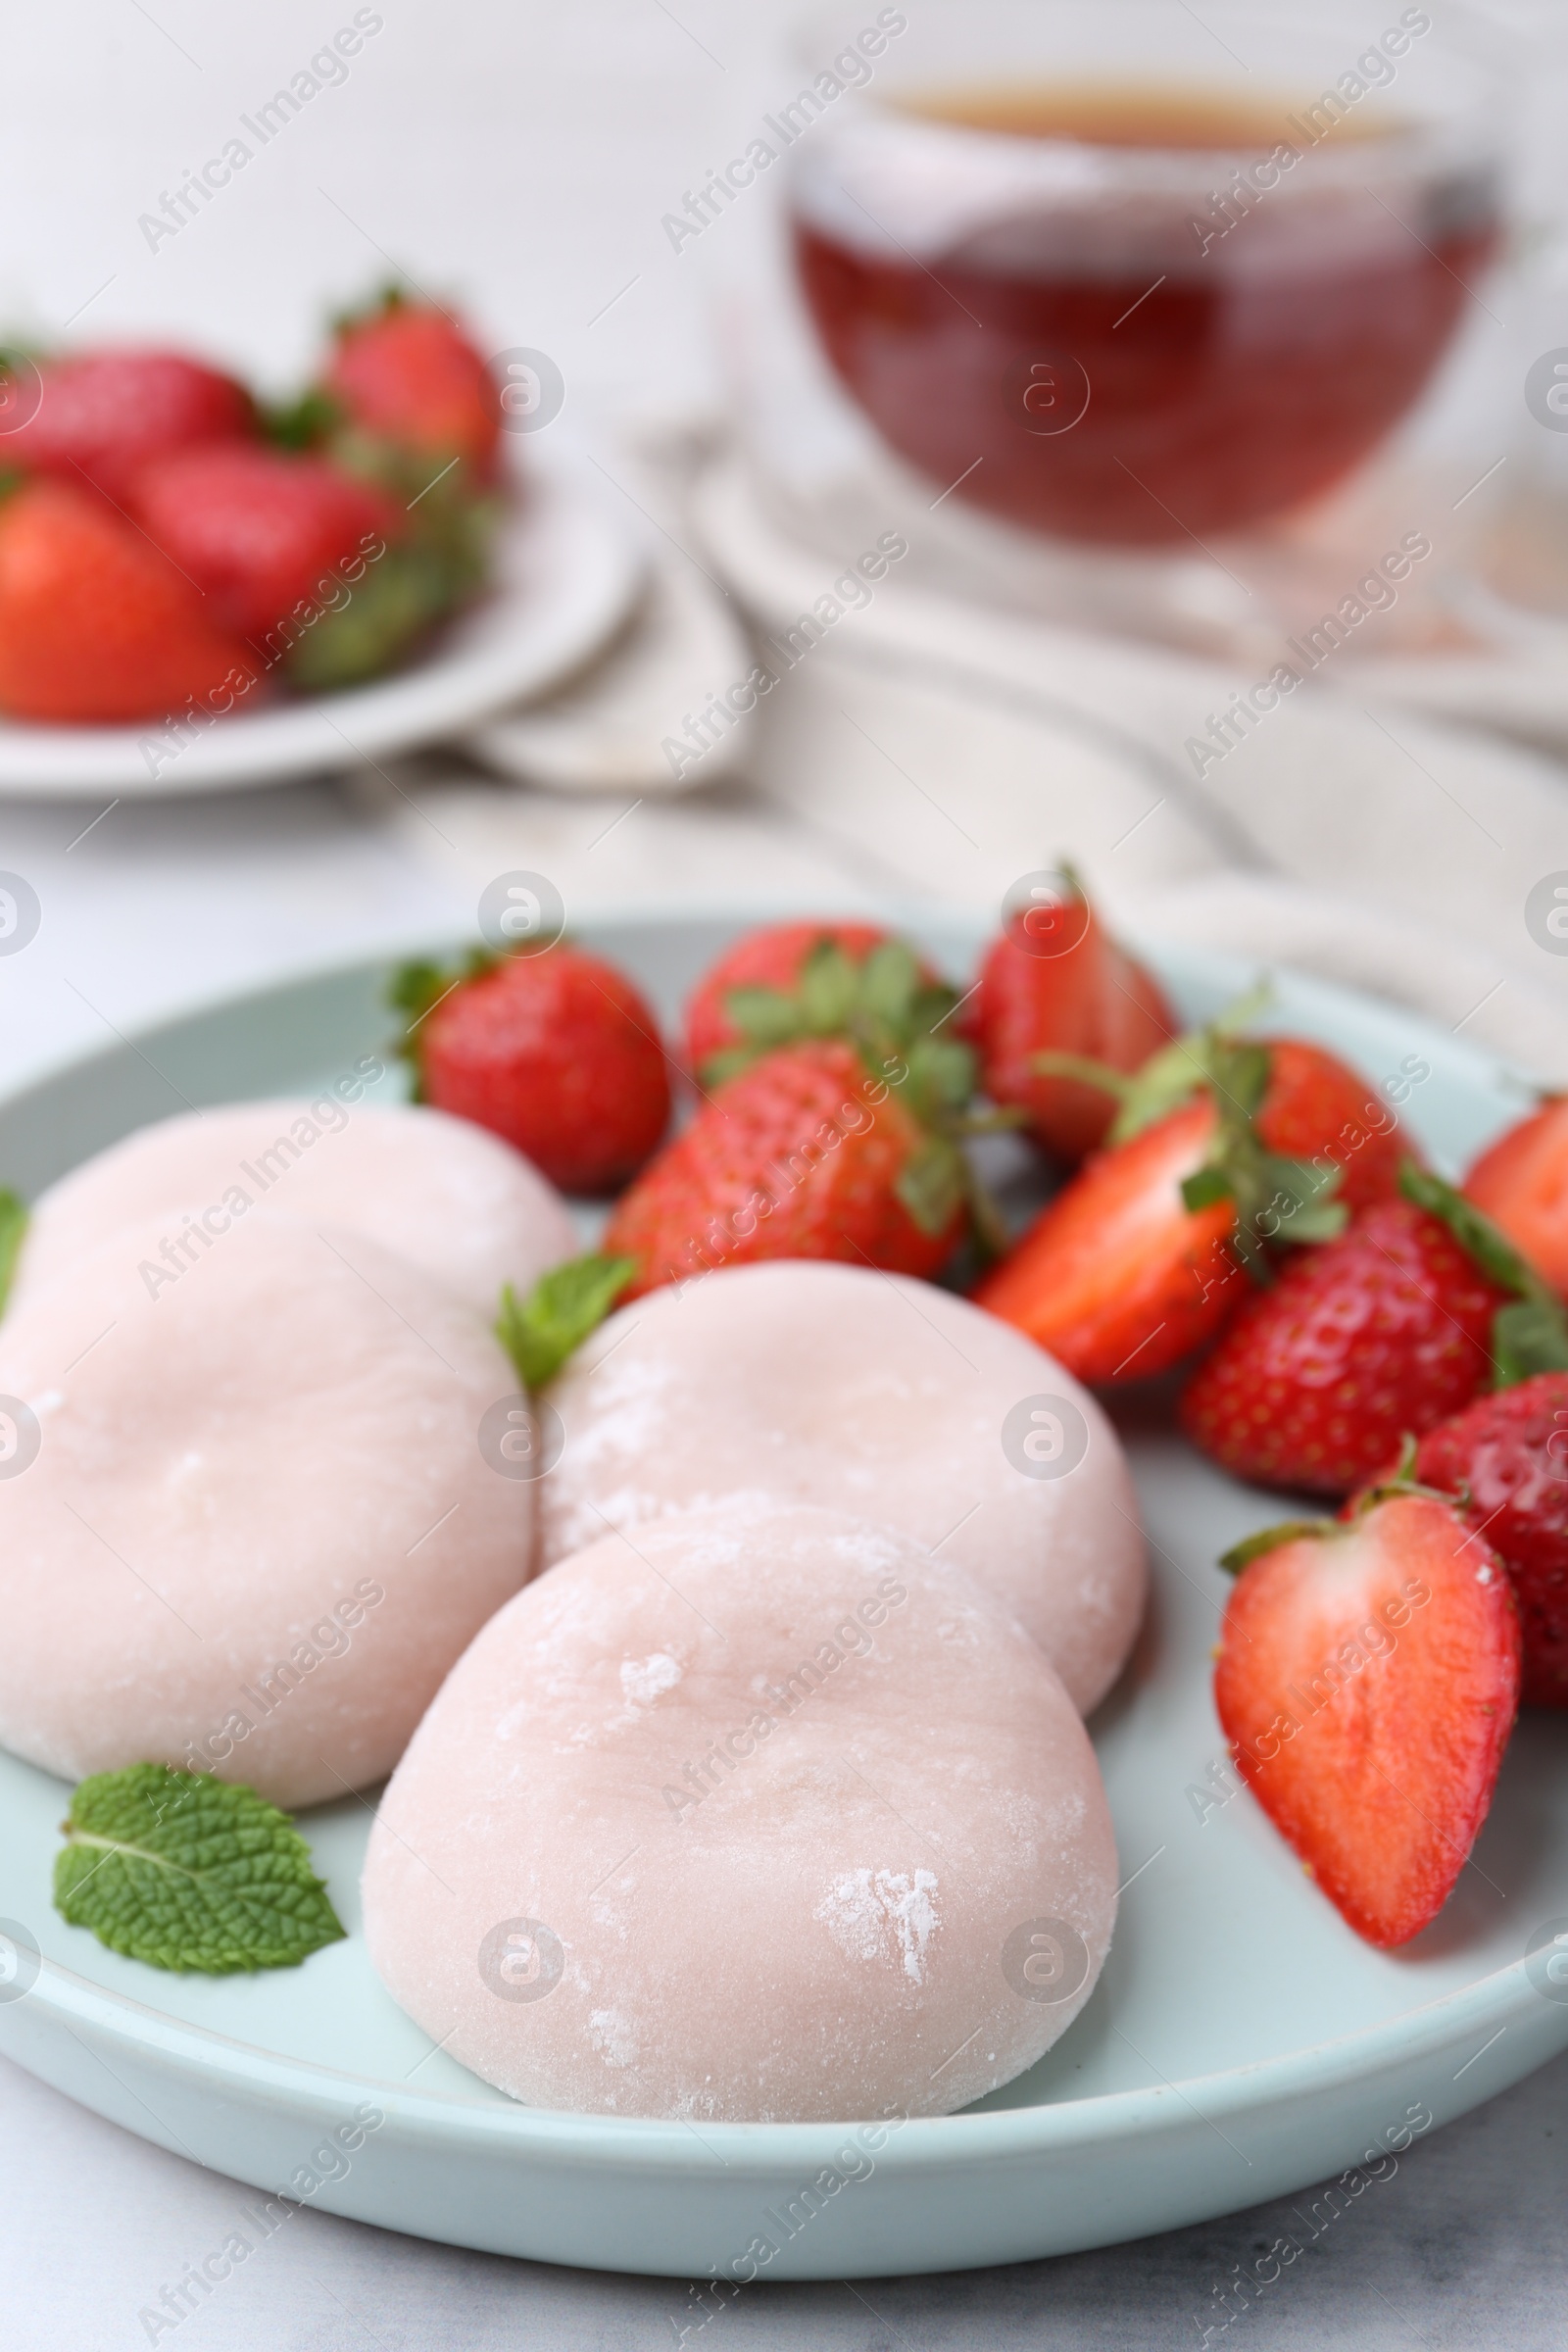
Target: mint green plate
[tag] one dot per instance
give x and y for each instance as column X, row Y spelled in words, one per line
column 1242, row 2041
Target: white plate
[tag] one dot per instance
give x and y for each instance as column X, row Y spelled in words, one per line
column 1242, row 2041
column 565, row 580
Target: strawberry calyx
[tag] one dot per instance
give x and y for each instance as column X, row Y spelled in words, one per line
column 889, row 1013
column 1400, row 1482
column 562, row 1311
column 1530, row 1331
column 302, row 423
column 880, row 1002
column 385, row 298
column 1276, row 1197
column 416, row 988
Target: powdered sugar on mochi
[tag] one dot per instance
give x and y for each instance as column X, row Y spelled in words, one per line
column 438, row 1191
column 644, row 1678
column 877, row 1919
column 783, row 1886
column 867, row 1393
column 259, row 1527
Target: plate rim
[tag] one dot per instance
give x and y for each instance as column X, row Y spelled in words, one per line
column 579, row 610
column 60, row 1996
column 916, row 2144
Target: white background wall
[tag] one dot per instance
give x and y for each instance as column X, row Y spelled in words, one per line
column 516, row 153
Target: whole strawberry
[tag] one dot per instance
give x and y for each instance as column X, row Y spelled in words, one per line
column 96, row 624
column 1056, row 982
column 1505, row 1460
column 774, row 962
column 555, row 1051
column 1367, row 1678
column 1381, row 1333
column 102, row 415
column 407, row 374
column 1521, row 1182
column 804, row 1154
column 267, row 536
column 1316, row 1106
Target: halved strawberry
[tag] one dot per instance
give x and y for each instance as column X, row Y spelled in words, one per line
column 1305, row 1103
column 1521, row 1182
column 1367, row 1681
column 1118, row 1278
column 1379, row 1334
column 1135, row 1262
column 1056, row 981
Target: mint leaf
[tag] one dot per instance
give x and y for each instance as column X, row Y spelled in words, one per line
column 190, row 1873
column 563, row 1307
column 12, row 1233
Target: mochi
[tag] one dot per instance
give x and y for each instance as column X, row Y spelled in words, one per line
column 758, row 1815
column 874, row 1393
column 439, row 1191
column 246, row 1524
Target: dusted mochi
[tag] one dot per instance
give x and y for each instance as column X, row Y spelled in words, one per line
column 258, row 1527
column 771, row 1818
column 873, row 1394
column 439, row 1191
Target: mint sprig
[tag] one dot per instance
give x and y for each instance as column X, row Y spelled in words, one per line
column 190, row 1873
column 1530, row 1331
column 12, row 1233
column 563, row 1307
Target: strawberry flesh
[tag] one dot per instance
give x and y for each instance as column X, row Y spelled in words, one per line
column 1367, row 1681
column 1118, row 1278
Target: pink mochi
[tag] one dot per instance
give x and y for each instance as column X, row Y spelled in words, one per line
column 758, row 1815
column 873, row 1394
column 245, row 1522
column 439, row 1191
